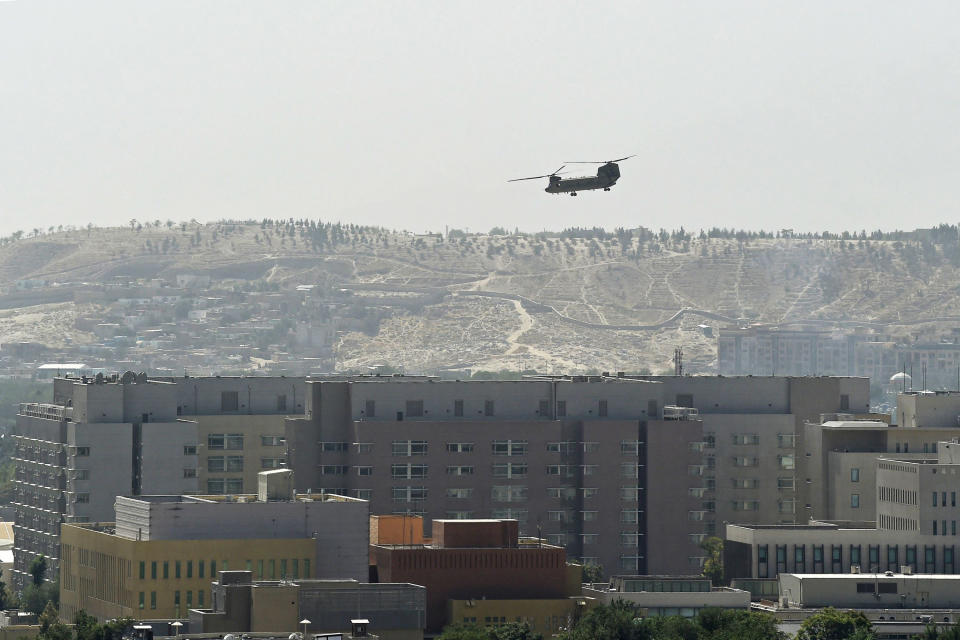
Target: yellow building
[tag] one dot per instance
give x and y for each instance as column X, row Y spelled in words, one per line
column 110, row 576
column 546, row 616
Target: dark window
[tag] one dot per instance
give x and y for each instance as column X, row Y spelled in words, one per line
column 886, row 587
column 893, row 553
column 488, row 408
column 818, row 558
column 781, row 558
column 229, row 401
column 685, row 400
column 544, row 409
column 399, row 416
column 844, row 402
column 653, row 412
column 370, row 410
column 415, row 408
column 602, row 409
column 836, row 558
column 864, row 587
column 947, row 560
column 762, row 561
column 911, row 558
column 855, row 554
column 874, row 557
column 561, row 408
column 458, row 408
column 282, row 402
column 930, row 559
column 799, row 558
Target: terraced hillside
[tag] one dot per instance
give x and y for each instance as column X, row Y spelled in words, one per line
column 551, row 302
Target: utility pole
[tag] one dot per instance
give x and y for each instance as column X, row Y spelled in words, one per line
column 678, row 361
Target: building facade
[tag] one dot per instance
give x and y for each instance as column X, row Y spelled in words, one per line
column 612, row 468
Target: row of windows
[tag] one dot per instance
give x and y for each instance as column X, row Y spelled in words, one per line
column 943, row 499
column 498, row 447
column 409, row 471
column 230, row 401
column 230, row 486
column 897, row 495
column 176, row 599
column 855, row 558
column 265, row 569
column 500, row 493
column 415, row 409
column 219, row 441
column 784, row 440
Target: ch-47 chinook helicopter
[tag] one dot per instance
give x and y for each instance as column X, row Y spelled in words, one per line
column 607, row 175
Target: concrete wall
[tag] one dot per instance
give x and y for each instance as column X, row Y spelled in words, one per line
column 110, row 465
column 910, row 591
column 101, row 572
column 340, row 530
column 164, row 464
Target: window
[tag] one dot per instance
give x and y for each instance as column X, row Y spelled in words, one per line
column 854, row 475
column 589, row 538
column 557, row 516
column 407, row 471
column 630, row 494
column 334, row 469
column 685, row 400
column 629, row 516
column 189, row 449
column 458, row 408
column 166, row 569
column 844, row 402
column 785, row 483
column 459, row 447
column 189, row 568
column 934, row 498
column 786, row 440
column 629, row 447
column 409, row 447
column 216, row 441
column 459, row 515
column 143, row 569
column 370, row 409
column 81, row 452
column 363, row 494
column 153, row 570
column 460, row 470
column 153, row 599
column 854, row 500
column 509, row 470
column 282, row 402
column 602, row 408
column 508, row 493
column 560, row 447
column 234, row 441
column 409, row 494
column 272, row 441
column 629, row 470
column 81, row 498
column 216, row 463
column 561, row 408
column 272, row 463
column 229, row 401
column 544, row 409
column 785, row 461
column 460, row 493
column 562, row 470
column 745, row 461
column 176, row 569
column 509, row 447
column 746, row 438
column 488, row 408
column 233, row 485
column 335, row 447
column 364, row 470
column 200, row 569
column 414, row 408
column 234, row 463
column 629, row 539
column 141, row 599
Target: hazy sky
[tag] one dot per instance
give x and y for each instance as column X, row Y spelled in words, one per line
column 812, row 115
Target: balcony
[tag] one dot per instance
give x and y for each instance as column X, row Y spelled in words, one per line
column 47, row 411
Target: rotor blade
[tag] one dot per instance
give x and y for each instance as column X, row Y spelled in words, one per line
column 530, row 178
column 622, row 159
column 586, row 162
column 557, row 172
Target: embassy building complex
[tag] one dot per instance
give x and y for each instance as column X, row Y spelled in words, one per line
column 625, row 472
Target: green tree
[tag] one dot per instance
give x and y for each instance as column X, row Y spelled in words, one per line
column 618, row 621
column 732, row 624
column 50, row 626
column 462, row 631
column 592, row 573
column 831, row 624
column 38, row 569
column 508, row 631
column 713, row 565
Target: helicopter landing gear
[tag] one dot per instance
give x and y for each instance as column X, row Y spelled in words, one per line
column 573, row 193
column 606, row 188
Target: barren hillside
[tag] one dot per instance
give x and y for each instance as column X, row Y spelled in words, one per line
column 551, row 302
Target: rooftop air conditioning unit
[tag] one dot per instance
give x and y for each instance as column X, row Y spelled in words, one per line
column 906, row 569
column 854, row 568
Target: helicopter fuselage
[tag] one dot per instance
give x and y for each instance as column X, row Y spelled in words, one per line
column 606, row 177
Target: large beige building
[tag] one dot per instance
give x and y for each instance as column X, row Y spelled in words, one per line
column 628, row 473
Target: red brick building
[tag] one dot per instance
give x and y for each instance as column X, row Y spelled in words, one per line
column 477, row 559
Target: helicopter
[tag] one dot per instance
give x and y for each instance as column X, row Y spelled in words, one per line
column 607, row 175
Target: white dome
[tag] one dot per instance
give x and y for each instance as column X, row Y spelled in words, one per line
column 900, row 377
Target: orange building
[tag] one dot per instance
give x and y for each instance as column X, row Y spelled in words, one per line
column 477, row 559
